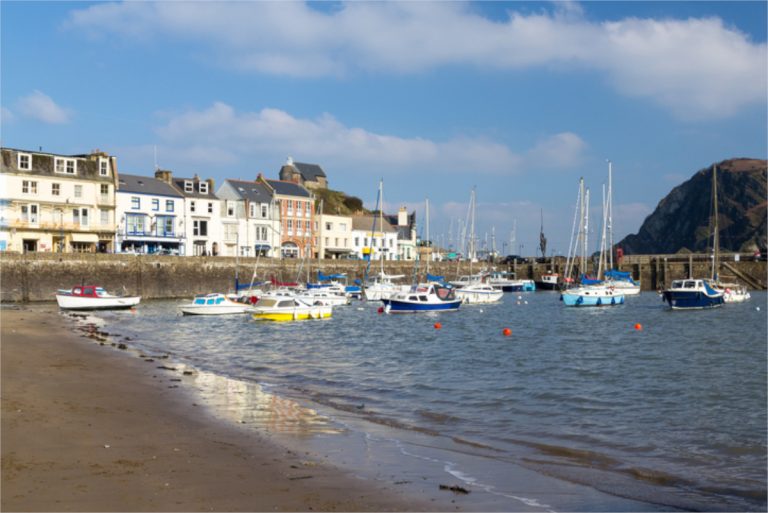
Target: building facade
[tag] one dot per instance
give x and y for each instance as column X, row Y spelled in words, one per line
column 334, row 236
column 310, row 176
column 57, row 203
column 373, row 238
column 296, row 207
column 250, row 219
column 405, row 224
column 150, row 214
column 201, row 217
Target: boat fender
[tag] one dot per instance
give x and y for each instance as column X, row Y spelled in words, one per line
column 613, row 300
column 599, row 301
column 561, row 297
column 580, row 300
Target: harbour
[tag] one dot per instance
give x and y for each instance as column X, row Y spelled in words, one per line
column 668, row 416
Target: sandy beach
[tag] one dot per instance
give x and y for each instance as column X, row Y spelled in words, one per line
column 87, row 427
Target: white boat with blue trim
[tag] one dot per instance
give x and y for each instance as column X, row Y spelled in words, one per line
column 693, row 294
column 592, row 295
column 430, row 297
column 214, row 304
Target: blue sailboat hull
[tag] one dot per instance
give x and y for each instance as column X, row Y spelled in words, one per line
column 581, row 300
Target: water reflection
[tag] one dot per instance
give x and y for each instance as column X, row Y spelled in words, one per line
column 251, row 404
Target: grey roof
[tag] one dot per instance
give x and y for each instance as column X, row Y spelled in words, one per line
column 288, row 188
column 254, row 192
column 366, row 223
column 178, row 182
column 309, row 171
column 145, row 185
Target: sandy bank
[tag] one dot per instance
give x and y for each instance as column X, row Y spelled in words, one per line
column 88, row 428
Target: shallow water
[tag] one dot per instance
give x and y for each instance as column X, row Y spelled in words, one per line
column 673, row 414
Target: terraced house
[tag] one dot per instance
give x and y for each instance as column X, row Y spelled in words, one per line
column 250, row 223
column 296, row 207
column 57, row 203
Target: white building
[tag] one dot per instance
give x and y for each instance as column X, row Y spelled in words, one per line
column 59, row 203
column 372, row 235
column 334, row 236
column 405, row 224
column 250, row 219
column 150, row 214
column 201, row 218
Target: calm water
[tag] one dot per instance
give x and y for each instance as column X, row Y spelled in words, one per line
column 674, row 414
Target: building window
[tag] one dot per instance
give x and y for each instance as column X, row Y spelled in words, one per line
column 67, row 166
column 56, row 189
column 290, row 207
column 80, row 216
column 308, row 209
column 28, row 187
column 263, row 233
column 104, row 189
column 135, row 202
column 104, row 217
column 210, row 208
column 156, row 205
column 264, row 211
column 343, row 227
column 230, row 232
column 200, row 228
column 191, row 206
column 230, row 209
column 169, row 205
column 252, row 210
column 135, row 223
column 329, row 226
column 25, row 161
column 78, row 191
column 164, row 226
column 103, row 167
column 307, row 228
column 29, row 214
column 357, row 241
column 189, row 187
column 290, row 226
column 203, row 187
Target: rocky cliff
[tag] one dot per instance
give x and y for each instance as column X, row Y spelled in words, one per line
column 681, row 220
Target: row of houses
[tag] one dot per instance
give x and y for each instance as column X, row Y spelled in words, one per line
column 80, row 203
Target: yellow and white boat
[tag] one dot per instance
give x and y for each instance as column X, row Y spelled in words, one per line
column 287, row 308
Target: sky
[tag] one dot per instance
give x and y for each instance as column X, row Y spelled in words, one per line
column 517, row 100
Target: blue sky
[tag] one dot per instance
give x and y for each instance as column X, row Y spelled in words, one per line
column 518, row 99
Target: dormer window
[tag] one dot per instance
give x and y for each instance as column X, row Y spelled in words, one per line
column 203, row 187
column 66, row 166
column 103, row 167
column 189, row 186
column 25, row 161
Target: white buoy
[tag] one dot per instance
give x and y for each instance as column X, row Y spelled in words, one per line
column 757, row 308
column 526, row 302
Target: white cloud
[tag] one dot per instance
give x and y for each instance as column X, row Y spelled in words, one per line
column 6, row 116
column 221, row 130
column 697, row 68
column 38, row 105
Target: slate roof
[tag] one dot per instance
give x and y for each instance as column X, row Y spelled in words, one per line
column 254, row 192
column 309, row 172
column 288, row 188
column 178, row 182
column 145, row 185
column 365, row 223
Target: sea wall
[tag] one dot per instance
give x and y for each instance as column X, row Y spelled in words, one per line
column 37, row 276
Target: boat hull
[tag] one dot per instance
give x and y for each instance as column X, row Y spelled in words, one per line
column 67, row 302
column 298, row 314
column 591, row 299
column 214, row 310
column 692, row 300
column 399, row 306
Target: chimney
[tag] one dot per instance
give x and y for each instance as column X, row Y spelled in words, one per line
column 164, row 175
column 211, row 183
column 402, row 217
column 289, row 161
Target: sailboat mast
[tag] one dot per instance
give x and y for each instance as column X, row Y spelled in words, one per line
column 426, row 223
column 715, row 230
column 582, row 229
column 610, row 216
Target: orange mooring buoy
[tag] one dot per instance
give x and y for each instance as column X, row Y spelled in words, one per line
column 507, row 332
column 438, row 325
column 639, row 327
column 380, row 310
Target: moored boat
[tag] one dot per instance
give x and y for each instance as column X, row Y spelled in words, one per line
column 431, row 297
column 287, row 308
column 549, row 281
column 213, row 304
column 93, row 297
column 592, row 295
column 692, row 294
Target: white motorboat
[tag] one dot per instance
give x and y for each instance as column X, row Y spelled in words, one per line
column 213, row 304
column 93, row 297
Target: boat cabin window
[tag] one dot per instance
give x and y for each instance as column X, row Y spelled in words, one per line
column 77, row 290
column 200, row 301
column 219, row 300
column 423, row 298
column 210, row 301
column 88, row 291
column 286, row 303
column 100, row 291
column 690, row 285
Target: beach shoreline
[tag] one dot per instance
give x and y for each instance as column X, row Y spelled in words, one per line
column 87, row 427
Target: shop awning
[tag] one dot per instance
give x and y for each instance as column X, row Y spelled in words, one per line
column 85, row 237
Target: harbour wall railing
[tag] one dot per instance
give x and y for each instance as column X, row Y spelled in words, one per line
column 36, row 276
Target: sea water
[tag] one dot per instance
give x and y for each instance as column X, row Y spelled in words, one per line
column 634, row 401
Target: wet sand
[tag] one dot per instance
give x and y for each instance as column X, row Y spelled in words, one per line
column 87, row 427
